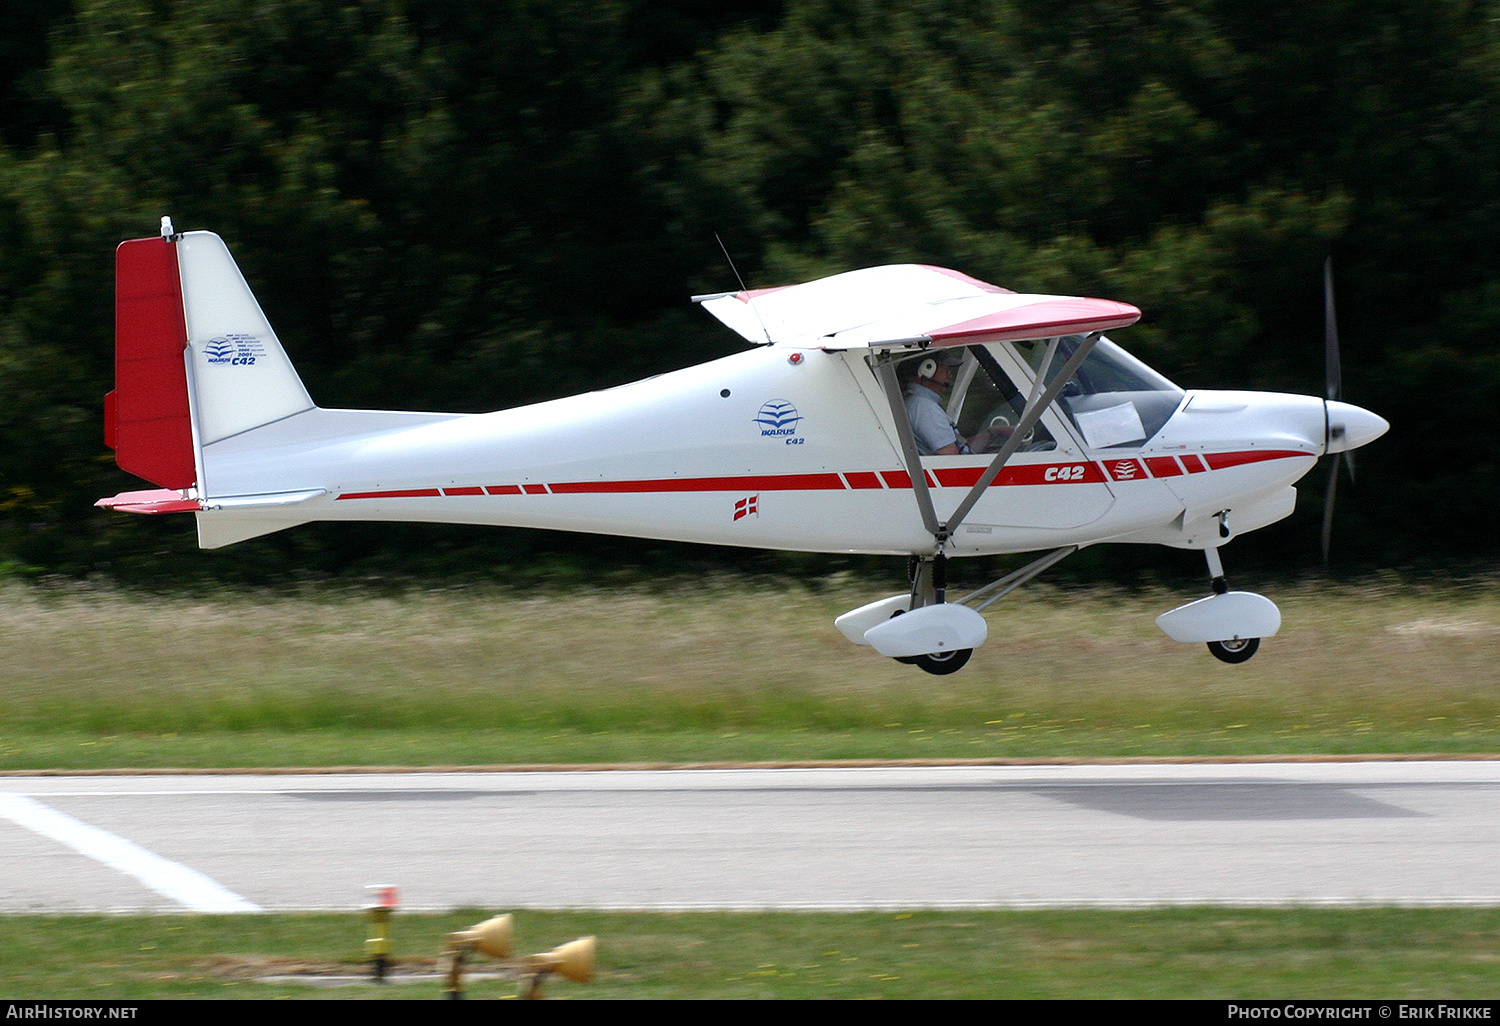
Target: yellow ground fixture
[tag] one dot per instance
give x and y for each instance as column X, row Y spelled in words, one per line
column 378, row 944
column 572, row 961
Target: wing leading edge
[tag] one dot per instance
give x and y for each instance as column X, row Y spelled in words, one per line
column 907, row 305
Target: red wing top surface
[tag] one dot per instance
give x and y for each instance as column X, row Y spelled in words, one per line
column 908, row 304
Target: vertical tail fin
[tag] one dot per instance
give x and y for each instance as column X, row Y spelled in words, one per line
column 195, row 359
column 240, row 376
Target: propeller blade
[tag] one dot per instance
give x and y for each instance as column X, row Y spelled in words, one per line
column 1333, row 373
column 1333, row 388
column 1328, row 495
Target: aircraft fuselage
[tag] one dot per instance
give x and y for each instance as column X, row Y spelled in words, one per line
column 771, row 448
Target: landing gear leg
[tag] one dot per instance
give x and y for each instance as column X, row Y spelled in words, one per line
column 1234, row 650
column 1216, row 572
column 929, row 587
column 923, row 572
column 918, row 572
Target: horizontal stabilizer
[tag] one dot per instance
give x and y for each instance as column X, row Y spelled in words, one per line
column 151, row 500
column 227, row 519
column 267, row 501
column 222, row 527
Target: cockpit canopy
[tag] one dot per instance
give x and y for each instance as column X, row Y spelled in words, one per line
column 1113, row 401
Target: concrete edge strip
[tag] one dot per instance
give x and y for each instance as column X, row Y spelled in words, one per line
column 599, row 767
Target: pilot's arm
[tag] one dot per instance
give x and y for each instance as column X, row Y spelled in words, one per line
column 930, row 426
column 936, row 435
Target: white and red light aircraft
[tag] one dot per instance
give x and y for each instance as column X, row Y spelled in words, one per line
column 800, row 443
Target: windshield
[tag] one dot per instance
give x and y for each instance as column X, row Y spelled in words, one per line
column 1114, row 400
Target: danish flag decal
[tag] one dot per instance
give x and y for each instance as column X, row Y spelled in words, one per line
column 749, row 507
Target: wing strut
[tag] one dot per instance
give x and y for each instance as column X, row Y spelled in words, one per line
column 997, row 590
column 1035, row 405
column 887, row 374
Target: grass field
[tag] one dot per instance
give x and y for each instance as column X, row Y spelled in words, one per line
column 737, row 671
column 1171, row 953
column 720, row 672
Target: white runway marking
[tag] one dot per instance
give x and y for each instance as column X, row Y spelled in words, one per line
column 187, row 886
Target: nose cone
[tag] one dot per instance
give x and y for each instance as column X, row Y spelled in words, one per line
column 1349, row 427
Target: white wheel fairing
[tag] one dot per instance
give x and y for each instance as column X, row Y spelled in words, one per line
column 1232, row 616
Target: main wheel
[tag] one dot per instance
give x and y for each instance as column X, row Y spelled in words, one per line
column 908, row 660
column 942, row 663
column 1236, row 651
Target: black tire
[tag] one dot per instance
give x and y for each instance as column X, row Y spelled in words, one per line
column 942, row 663
column 1236, row 651
column 908, row 660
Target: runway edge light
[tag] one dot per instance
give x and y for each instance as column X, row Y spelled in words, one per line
column 378, row 946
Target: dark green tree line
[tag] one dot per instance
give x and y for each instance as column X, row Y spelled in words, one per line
column 458, row 206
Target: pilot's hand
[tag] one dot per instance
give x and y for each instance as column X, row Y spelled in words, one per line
column 986, row 438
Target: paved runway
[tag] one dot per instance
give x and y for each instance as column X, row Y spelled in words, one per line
column 950, row 837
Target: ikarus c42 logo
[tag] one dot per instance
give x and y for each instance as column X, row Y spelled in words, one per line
column 778, row 419
column 234, row 350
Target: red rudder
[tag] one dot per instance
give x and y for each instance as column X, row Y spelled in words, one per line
column 147, row 418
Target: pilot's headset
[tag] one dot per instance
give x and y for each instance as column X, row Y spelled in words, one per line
column 930, row 364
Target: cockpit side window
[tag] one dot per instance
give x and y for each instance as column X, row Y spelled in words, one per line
column 979, row 399
column 992, row 399
column 1114, row 400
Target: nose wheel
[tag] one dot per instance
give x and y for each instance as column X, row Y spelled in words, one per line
column 1236, row 651
column 1231, row 623
column 941, row 663
column 1239, row 649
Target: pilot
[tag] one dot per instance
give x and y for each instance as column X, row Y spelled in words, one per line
column 934, row 433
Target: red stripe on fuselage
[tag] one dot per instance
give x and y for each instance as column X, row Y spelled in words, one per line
column 403, row 493
column 1080, row 472
column 1076, row 472
column 1220, row 460
column 771, row 483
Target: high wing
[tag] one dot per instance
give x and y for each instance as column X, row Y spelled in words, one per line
column 906, row 305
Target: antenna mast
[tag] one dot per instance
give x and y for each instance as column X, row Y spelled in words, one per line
column 748, row 300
